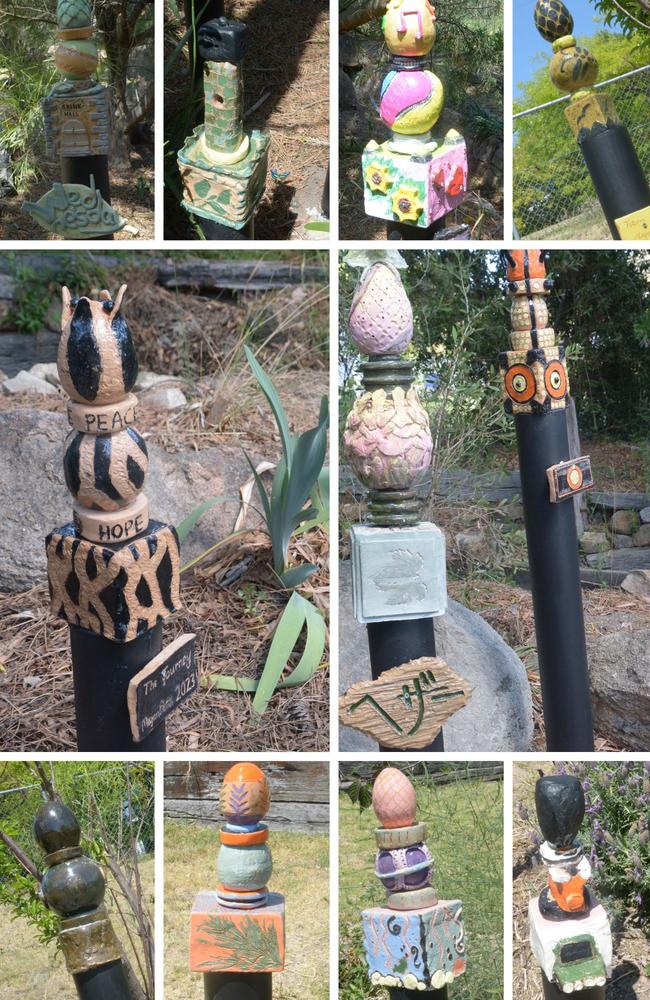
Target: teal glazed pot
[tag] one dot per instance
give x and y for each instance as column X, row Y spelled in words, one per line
column 248, row 867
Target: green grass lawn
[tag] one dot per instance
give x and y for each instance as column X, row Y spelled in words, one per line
column 465, row 835
column 300, row 873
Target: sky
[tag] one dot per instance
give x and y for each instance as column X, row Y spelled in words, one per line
column 528, row 43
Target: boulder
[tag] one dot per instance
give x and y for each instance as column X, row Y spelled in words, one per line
column 622, row 541
column 638, row 583
column 625, row 522
column 48, row 371
column 642, row 536
column 34, row 498
column 162, row 397
column 619, row 668
column 26, row 382
column 499, row 714
column 594, row 541
column 644, row 514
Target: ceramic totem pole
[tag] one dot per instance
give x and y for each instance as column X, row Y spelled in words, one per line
column 77, row 132
column 222, row 167
column 605, row 143
column 412, row 180
column 237, row 930
column 536, row 390
column 569, row 929
column 415, row 942
column 398, row 562
column 73, row 887
column 113, row 572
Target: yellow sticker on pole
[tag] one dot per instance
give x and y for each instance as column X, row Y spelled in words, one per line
column 635, row 226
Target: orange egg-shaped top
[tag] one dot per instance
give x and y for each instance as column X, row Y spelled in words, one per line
column 524, row 264
column 393, row 799
column 245, row 796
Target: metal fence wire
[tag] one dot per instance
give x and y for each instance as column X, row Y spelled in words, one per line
column 462, row 806
column 556, row 199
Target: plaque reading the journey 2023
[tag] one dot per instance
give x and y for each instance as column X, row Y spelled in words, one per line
column 164, row 684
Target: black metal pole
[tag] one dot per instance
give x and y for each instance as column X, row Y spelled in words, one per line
column 616, row 173
column 403, row 231
column 102, row 671
column 553, row 992
column 392, row 643
column 238, row 985
column 542, row 441
column 398, row 993
column 107, row 982
column 216, row 231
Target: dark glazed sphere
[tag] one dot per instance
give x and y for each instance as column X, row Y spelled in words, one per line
column 560, row 805
column 73, row 886
column 55, row 826
column 552, row 19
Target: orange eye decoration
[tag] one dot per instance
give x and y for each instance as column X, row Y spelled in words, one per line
column 555, row 380
column 519, row 382
column 574, row 477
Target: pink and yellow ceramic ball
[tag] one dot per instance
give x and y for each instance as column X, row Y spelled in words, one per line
column 393, row 799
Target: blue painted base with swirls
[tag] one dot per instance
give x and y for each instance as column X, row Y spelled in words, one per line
column 415, row 949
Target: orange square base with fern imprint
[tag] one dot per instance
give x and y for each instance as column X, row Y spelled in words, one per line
column 227, row 940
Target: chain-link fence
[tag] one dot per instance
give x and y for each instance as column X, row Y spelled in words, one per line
column 462, row 806
column 114, row 804
column 553, row 197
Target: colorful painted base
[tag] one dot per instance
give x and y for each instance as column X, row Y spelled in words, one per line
column 226, row 940
column 406, row 706
column 223, row 193
column 415, row 949
column 574, row 953
column 414, row 188
column 398, row 573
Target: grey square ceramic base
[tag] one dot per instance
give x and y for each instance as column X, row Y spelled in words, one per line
column 398, row 573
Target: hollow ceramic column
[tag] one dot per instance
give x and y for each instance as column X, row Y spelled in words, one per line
column 398, row 562
column 415, row 942
column 223, row 167
column 609, row 154
column 113, row 572
column 77, row 115
column 73, row 887
column 237, row 935
column 413, row 180
column 569, row 930
column 536, row 389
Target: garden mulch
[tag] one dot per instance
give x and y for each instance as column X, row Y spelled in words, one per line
column 630, row 979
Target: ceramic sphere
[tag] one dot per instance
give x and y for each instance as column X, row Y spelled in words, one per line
column 393, row 799
column 573, row 68
column 76, row 59
column 73, row 886
column 245, row 796
column 387, row 439
column 381, row 317
column 248, row 867
column 409, row 29
column 411, row 101
column 56, row 827
column 396, row 864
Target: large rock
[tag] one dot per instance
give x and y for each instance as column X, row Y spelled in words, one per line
column 622, row 541
column 31, row 384
column 638, row 583
column 619, row 667
column 595, row 541
column 34, row 499
column 645, row 515
column 499, row 714
column 642, row 536
column 625, row 522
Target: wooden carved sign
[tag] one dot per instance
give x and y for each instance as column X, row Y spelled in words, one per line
column 164, row 684
column 406, row 707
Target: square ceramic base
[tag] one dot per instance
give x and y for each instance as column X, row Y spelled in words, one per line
column 227, row 940
column 398, row 573
column 573, row 953
column 415, row 949
column 224, row 193
column 416, row 189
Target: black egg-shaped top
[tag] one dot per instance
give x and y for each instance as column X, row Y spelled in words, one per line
column 552, row 19
column 560, row 805
column 56, row 826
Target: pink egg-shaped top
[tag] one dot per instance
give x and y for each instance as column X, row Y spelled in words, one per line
column 393, row 799
column 402, row 91
column 381, row 318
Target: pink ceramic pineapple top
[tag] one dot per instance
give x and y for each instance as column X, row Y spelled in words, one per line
column 393, row 799
column 387, row 439
column 381, row 318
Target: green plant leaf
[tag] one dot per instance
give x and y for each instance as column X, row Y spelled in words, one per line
column 298, row 613
column 317, row 227
column 185, row 527
column 261, row 490
column 297, row 574
column 269, row 390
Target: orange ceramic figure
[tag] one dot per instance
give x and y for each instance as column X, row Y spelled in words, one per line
column 569, row 896
column 523, row 264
